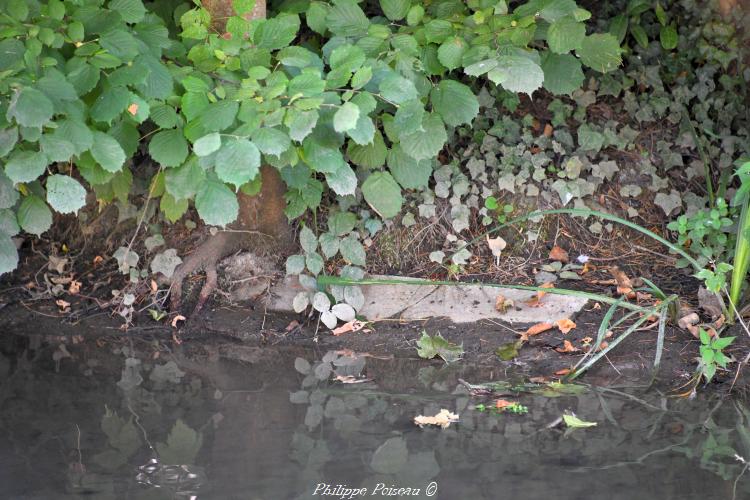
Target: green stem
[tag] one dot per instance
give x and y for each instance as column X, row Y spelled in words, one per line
column 741, row 259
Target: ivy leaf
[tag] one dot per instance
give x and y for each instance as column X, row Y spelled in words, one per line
column 451, row 52
column 65, row 194
column 428, row 142
column 271, row 141
column 562, row 73
column 30, row 108
column 8, row 254
column 600, row 52
column 238, row 162
column 346, row 117
column 517, row 74
column 216, row 203
column 346, row 18
column 395, row 10
column 107, row 152
column 207, row 144
column 429, row 347
column 352, row 250
column 565, row 34
column 397, row 89
column 26, row 166
column 383, row 194
column 168, row 148
column 34, row 216
column 455, row 102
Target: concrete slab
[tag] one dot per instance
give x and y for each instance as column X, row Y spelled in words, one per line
column 460, row 304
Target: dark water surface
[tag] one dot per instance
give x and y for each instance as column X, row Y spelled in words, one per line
column 124, row 418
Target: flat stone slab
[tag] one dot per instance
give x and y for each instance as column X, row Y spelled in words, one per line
column 460, row 304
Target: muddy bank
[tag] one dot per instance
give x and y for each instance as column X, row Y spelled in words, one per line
column 237, row 332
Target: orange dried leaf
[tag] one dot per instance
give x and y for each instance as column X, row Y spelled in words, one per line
column 503, row 403
column 502, row 304
column 548, row 130
column 563, row 372
column 539, row 328
column 558, row 254
column 74, row 288
column 177, row 319
column 567, row 347
column 565, row 325
column 624, row 284
column 352, row 326
column 132, row 109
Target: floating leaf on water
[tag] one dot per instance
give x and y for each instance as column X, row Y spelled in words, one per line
column 576, row 423
column 429, row 347
column 444, row 418
column 508, row 351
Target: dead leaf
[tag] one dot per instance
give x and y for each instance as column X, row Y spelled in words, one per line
column 57, row 264
column 567, row 347
column 588, row 267
column 559, row 254
column 497, row 245
column 603, row 345
column 624, row 284
column 688, row 320
column 63, row 305
column 97, row 260
column 502, row 304
column 444, row 418
column 565, row 325
column 176, row 319
column 351, row 379
column 352, row 326
column 538, row 328
column 294, row 324
column 563, row 372
column 536, row 300
column 710, row 302
column 548, row 130
column 586, row 341
column 75, row 287
column 538, row 380
column 154, row 286
column 132, row 109
column 176, row 339
column 503, row 403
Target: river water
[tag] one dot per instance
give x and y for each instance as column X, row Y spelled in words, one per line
column 129, row 417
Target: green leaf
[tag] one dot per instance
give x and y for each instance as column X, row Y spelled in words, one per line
column 243, row 6
column 216, row 203
column 34, row 216
column 322, row 158
column 306, row 85
column 75, row 132
column 369, row 156
column 183, row 182
column 575, row 423
column 276, row 33
column 11, row 53
column 410, row 173
column 26, row 166
column 8, row 193
column 600, row 52
column 427, row 142
column 430, row 347
column 408, row 117
column 110, row 104
column 346, row 18
column 668, row 37
column 55, row 148
column 168, row 148
column 329, row 245
column 364, row 132
column 397, row 89
column 173, row 209
column 65, row 194
column 165, row 116
column 640, row 35
column 481, row 67
column 342, row 223
column 120, row 44
column 343, row 181
column 562, row 73
column 30, row 108
column 107, row 152
column 565, row 34
column 346, row 117
column 395, row 10
column 300, row 123
column 517, row 74
column 451, row 52
column 8, row 139
column 131, row 11
column 455, row 102
column 8, row 254
column 347, row 56
column 352, row 250
column 271, row 141
column 237, row 162
column 361, row 77
column 207, row 144
column 383, row 194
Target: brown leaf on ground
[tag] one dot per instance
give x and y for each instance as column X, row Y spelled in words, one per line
column 536, row 300
column 624, row 284
column 352, row 326
column 503, row 403
column 97, row 260
column 539, row 328
column 63, row 305
column 603, row 345
column 688, row 320
column 74, row 288
column 588, row 267
column 548, row 130
column 710, row 302
column 565, row 325
column 567, row 347
column 559, row 255
column 177, row 319
column 539, row 380
column 444, row 418
column 563, row 372
column 293, row 325
column 586, row 341
column 502, row 304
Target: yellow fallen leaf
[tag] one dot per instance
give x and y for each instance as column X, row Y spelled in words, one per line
column 444, row 418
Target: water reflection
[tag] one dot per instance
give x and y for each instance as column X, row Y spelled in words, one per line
column 125, row 418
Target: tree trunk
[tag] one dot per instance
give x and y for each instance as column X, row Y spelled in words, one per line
column 261, row 225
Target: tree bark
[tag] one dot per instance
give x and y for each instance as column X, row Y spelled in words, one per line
column 261, row 225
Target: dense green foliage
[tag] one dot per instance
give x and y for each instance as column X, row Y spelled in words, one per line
column 87, row 83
